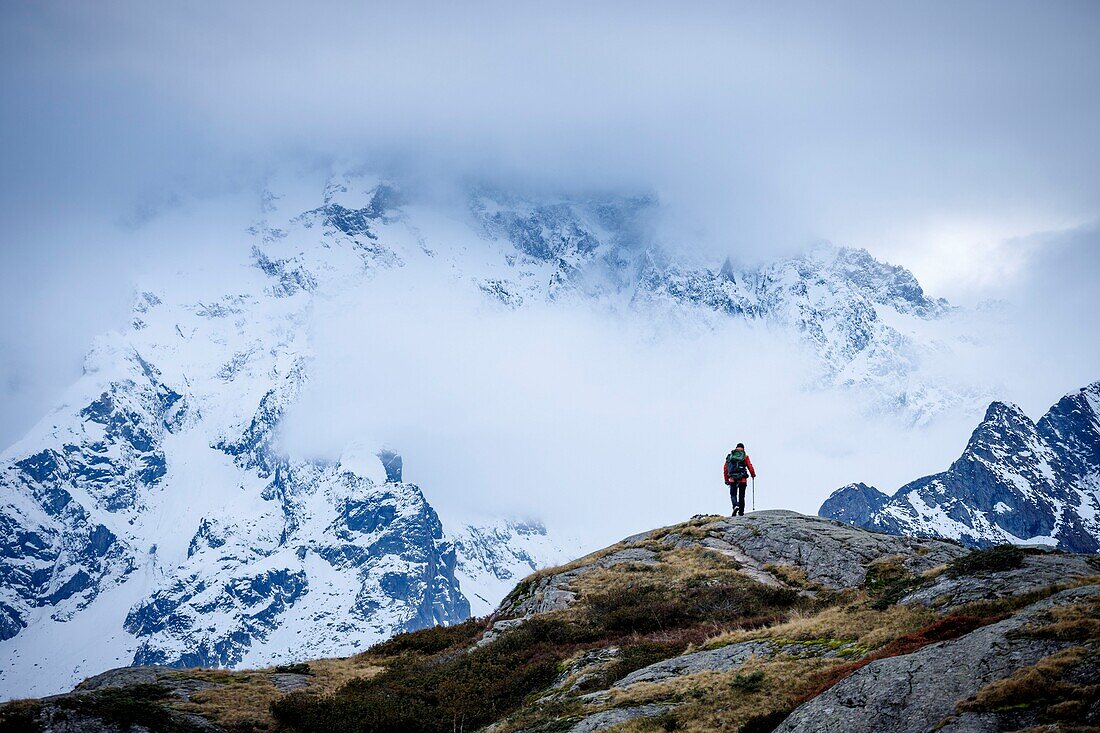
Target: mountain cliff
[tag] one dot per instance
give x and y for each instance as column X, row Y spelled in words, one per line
column 1017, row 481
column 769, row 622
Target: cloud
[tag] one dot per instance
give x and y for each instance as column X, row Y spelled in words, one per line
column 761, row 127
column 599, row 424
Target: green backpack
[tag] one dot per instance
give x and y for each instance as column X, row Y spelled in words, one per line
column 735, row 465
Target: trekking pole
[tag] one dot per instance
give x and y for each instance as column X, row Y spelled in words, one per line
column 754, row 493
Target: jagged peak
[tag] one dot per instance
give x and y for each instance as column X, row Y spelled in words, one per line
column 1004, row 424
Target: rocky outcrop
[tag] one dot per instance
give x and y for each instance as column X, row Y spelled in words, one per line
column 1037, row 571
column 764, row 545
column 831, row 554
column 918, row 692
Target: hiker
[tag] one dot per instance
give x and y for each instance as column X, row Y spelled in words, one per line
column 736, row 472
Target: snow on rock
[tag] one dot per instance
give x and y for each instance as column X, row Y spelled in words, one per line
column 1017, row 481
column 152, row 518
column 493, row 557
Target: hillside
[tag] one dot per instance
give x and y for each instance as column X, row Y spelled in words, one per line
column 774, row 621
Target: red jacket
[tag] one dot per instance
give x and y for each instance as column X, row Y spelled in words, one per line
column 748, row 465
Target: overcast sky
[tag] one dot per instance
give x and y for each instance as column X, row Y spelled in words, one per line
column 958, row 139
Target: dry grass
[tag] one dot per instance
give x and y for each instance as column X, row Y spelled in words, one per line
column 242, row 700
column 330, row 675
column 673, row 564
column 1052, row 688
column 722, row 701
column 1011, row 604
column 693, row 528
column 791, row 575
column 1071, row 622
column 858, row 622
column 244, row 704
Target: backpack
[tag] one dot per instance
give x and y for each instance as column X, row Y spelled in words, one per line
column 735, row 465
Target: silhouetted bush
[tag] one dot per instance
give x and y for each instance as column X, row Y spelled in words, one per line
column 433, row 640
column 296, row 668
column 766, row 722
column 1001, row 557
column 19, row 717
column 434, row 682
column 418, row 695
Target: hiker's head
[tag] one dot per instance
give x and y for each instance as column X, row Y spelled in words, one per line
column 740, row 446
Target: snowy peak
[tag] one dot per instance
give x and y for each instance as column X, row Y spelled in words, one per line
column 1017, row 481
column 885, row 284
column 856, row 504
column 493, row 557
column 1073, row 424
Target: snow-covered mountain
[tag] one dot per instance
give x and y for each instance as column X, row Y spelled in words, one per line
column 867, row 324
column 1017, row 481
column 153, row 517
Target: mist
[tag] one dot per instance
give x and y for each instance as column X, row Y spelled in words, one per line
column 597, row 424
column 957, row 140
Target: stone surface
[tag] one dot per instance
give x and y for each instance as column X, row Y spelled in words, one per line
column 289, row 681
column 1036, row 572
column 917, row 693
column 167, row 677
column 608, row 718
column 723, row 659
column 832, row 554
column 552, row 593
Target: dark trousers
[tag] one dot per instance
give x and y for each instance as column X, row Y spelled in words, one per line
column 737, row 497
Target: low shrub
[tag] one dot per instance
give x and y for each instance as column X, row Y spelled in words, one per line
column 434, row 639
column 887, row 581
column 766, row 722
column 418, row 694
column 644, row 606
column 990, row 559
column 750, row 682
column 127, row 707
column 296, row 668
column 20, row 716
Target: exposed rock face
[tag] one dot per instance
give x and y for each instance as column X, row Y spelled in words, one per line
column 551, row 592
column 608, row 718
column 1017, row 481
column 831, row 554
column 918, row 692
column 910, row 692
column 1035, row 572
